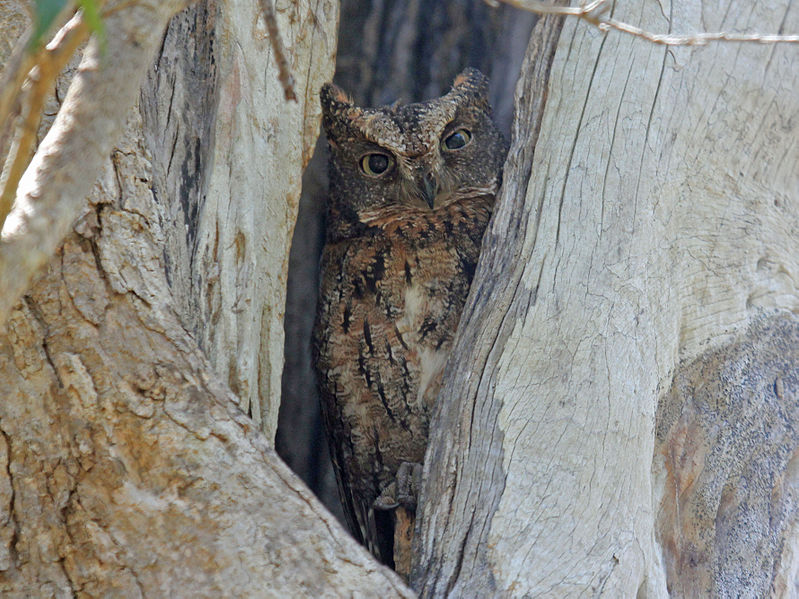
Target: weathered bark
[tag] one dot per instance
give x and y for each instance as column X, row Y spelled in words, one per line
column 50, row 193
column 127, row 467
column 388, row 51
column 221, row 135
column 619, row 417
column 128, row 470
column 726, row 455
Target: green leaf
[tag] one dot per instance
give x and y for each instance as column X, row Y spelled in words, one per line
column 91, row 13
column 46, row 13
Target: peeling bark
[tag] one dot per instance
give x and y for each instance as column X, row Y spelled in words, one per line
column 726, row 455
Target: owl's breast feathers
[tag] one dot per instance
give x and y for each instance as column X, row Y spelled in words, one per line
column 390, row 303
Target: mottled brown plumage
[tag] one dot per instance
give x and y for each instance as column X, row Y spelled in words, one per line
column 411, row 191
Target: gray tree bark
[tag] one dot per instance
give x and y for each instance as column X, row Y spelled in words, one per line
column 619, row 414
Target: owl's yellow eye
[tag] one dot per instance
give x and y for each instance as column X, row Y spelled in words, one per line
column 376, row 164
column 457, row 140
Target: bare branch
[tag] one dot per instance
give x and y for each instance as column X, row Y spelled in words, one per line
column 12, row 78
column 591, row 13
column 279, row 50
column 49, row 63
column 553, row 9
column 19, row 64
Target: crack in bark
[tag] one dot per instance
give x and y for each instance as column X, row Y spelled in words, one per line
column 98, row 261
column 38, row 316
column 459, row 559
column 12, row 516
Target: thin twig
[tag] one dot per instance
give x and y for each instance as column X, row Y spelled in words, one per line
column 553, row 9
column 7, row 134
column 589, row 13
column 22, row 149
column 23, row 59
column 21, row 62
column 49, row 63
column 17, row 68
column 279, row 50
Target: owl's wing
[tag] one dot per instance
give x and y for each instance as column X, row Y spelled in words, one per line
column 372, row 528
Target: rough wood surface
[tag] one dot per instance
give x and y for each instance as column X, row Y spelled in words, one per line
column 126, row 467
column 439, row 559
column 50, row 194
column 221, row 135
column 659, row 224
column 128, row 470
column 726, row 455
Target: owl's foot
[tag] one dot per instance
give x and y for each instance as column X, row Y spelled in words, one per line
column 404, row 490
column 409, row 484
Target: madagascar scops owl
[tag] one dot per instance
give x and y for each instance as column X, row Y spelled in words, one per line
column 411, row 192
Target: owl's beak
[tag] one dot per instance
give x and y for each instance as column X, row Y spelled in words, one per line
column 429, row 189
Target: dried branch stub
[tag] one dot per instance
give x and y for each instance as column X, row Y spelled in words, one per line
column 279, row 50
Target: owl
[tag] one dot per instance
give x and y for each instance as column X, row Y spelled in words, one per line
column 411, row 192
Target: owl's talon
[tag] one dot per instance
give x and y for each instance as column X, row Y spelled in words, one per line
column 387, row 499
column 404, row 490
column 409, row 484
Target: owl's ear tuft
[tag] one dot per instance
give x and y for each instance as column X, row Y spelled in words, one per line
column 334, row 98
column 472, row 82
column 338, row 111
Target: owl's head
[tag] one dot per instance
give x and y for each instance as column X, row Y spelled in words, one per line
column 420, row 156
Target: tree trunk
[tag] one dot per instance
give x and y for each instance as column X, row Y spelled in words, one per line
column 128, row 468
column 619, row 415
